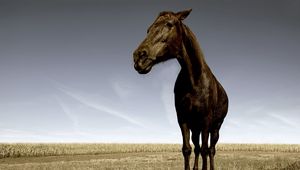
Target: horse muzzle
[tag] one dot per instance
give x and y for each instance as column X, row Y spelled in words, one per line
column 142, row 62
column 143, row 65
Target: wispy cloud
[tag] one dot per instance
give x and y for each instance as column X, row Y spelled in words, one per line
column 285, row 120
column 13, row 135
column 68, row 112
column 121, row 89
column 97, row 106
column 167, row 79
column 167, row 98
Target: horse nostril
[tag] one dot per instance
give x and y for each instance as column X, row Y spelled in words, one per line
column 139, row 54
column 142, row 53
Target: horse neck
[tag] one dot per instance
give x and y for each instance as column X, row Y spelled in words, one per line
column 191, row 58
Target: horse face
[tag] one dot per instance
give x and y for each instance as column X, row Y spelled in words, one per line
column 162, row 42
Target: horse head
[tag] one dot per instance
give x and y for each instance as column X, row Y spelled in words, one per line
column 163, row 41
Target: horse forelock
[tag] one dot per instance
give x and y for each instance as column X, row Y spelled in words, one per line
column 163, row 13
column 162, row 17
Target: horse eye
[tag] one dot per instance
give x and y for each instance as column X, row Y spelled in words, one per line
column 169, row 24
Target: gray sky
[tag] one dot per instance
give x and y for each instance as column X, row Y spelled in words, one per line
column 66, row 70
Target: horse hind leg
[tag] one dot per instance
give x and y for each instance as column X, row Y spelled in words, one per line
column 212, row 150
column 204, row 148
column 195, row 140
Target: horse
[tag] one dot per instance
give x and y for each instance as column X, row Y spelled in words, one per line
column 200, row 100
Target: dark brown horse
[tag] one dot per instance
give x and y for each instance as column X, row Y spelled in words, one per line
column 200, row 100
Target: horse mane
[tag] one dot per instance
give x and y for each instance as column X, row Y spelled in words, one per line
column 194, row 51
column 191, row 44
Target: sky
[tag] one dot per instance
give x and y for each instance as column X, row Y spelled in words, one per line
column 66, row 70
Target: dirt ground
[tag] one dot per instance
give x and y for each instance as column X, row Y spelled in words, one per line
column 225, row 160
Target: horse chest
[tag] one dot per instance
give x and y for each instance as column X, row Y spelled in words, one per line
column 189, row 100
column 193, row 103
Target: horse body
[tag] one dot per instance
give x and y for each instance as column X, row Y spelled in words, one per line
column 200, row 100
column 201, row 103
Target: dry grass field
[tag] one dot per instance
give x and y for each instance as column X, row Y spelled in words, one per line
column 143, row 156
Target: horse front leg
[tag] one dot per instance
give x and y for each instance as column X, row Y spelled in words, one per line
column 204, row 148
column 195, row 139
column 186, row 147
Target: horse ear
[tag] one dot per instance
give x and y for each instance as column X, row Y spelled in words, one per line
column 183, row 14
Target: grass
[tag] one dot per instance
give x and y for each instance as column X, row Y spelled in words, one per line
column 143, row 156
